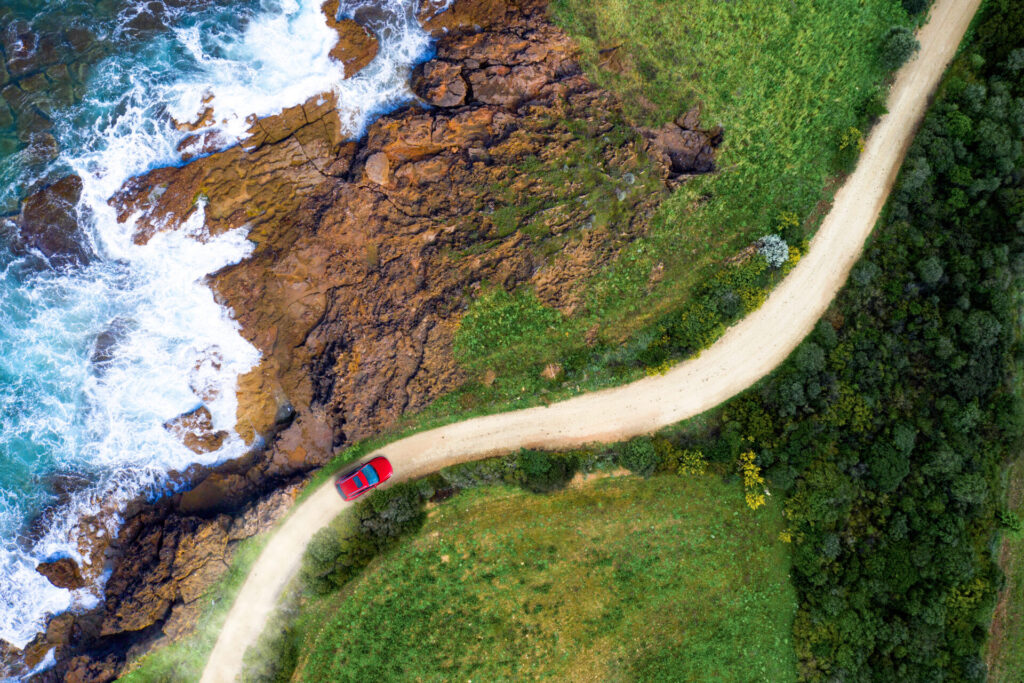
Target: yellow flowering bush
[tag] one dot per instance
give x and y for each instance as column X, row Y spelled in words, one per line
column 753, row 482
column 692, row 462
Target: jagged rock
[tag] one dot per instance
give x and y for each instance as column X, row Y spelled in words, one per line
column 440, row 83
column 683, row 151
column 439, row 16
column 62, row 573
column 356, row 46
column 195, row 430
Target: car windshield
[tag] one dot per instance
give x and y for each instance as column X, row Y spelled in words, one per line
column 370, row 474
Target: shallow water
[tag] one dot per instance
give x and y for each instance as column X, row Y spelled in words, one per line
column 79, row 437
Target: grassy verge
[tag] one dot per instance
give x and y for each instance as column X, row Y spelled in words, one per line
column 620, row 579
column 1006, row 639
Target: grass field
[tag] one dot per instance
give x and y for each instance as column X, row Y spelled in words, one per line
column 669, row 578
column 795, row 86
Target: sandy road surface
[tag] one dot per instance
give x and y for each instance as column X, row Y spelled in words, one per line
column 745, row 354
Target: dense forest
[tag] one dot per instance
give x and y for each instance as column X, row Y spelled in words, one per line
column 889, row 427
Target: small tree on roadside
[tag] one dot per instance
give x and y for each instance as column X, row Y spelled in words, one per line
column 898, row 45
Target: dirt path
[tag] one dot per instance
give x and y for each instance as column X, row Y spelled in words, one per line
column 745, row 354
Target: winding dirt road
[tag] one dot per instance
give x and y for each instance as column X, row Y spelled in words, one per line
column 746, row 353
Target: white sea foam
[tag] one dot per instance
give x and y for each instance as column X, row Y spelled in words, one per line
column 176, row 348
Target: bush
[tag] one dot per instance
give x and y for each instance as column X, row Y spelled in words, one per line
column 541, row 472
column 638, row 456
column 774, row 249
column 898, row 45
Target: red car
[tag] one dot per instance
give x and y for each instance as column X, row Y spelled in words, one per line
column 368, row 476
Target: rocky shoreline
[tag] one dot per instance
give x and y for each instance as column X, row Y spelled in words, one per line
column 367, row 254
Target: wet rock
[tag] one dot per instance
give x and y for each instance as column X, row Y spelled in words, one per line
column 286, row 158
column 62, row 573
column 195, row 430
column 20, row 44
column 6, row 117
column 49, row 224
column 440, row 83
column 356, row 46
column 105, row 346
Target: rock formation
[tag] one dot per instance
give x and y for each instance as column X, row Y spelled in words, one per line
column 366, row 255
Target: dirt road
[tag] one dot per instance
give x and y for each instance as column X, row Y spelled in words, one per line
column 745, row 354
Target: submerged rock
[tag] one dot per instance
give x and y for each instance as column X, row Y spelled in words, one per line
column 105, row 346
column 48, row 223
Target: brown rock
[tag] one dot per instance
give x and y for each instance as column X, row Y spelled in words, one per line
column 460, row 14
column 195, row 430
column 263, row 406
column 199, row 559
column 682, row 151
column 440, row 83
column 378, row 168
column 203, row 120
column 215, row 493
column 507, row 87
column 62, row 573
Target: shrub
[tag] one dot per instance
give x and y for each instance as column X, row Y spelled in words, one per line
column 898, row 45
column 774, row 249
column 638, row 456
column 541, row 472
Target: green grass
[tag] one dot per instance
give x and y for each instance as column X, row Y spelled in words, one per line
column 620, row 579
column 1006, row 641
column 785, row 80
column 794, row 86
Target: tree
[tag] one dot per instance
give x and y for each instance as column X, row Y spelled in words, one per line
column 915, row 6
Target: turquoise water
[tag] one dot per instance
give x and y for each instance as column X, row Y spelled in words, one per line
column 79, row 438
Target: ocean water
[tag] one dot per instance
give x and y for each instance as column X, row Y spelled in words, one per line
column 77, row 438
